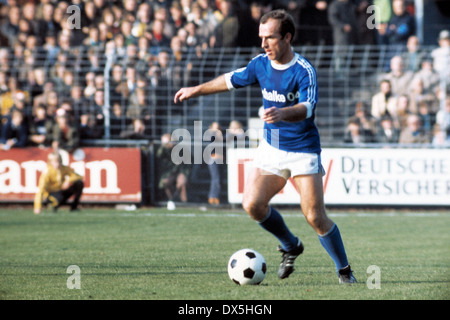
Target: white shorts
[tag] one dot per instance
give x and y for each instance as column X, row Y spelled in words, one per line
column 286, row 164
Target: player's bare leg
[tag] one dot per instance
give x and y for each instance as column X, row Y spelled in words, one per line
column 312, row 204
column 261, row 186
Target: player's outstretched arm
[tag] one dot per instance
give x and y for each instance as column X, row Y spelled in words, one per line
column 289, row 114
column 214, row 86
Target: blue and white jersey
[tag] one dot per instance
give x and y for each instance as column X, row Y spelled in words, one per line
column 283, row 86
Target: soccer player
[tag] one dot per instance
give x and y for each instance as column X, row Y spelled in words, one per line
column 291, row 144
column 57, row 184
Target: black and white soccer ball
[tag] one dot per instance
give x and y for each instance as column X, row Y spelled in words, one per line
column 247, row 267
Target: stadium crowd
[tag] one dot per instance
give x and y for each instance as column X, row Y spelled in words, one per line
column 53, row 56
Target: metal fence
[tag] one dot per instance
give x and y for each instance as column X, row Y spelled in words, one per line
column 134, row 84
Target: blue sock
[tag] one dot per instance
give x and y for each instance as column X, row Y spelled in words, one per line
column 332, row 242
column 274, row 223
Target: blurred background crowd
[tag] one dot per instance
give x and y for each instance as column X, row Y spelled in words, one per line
column 53, row 57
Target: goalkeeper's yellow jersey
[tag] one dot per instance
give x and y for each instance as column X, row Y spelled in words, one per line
column 51, row 180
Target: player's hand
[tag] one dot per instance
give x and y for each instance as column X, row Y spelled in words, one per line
column 183, row 94
column 66, row 184
column 271, row 115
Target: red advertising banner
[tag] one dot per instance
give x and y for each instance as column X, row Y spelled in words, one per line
column 110, row 174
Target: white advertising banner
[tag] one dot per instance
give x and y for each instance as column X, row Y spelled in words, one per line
column 363, row 176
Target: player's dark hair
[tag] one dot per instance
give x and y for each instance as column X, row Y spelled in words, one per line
column 287, row 24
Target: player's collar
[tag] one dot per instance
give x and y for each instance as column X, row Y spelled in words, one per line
column 286, row 65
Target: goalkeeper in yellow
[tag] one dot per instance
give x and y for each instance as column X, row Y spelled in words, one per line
column 57, row 184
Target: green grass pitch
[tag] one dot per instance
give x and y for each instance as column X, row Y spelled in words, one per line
column 153, row 254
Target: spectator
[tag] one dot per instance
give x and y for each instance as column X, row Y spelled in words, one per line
column 35, row 84
column 3, row 82
column 443, row 117
column 139, row 105
column 131, row 80
column 38, row 127
column 131, row 55
column 214, row 164
column 89, row 128
column 159, row 39
column 189, row 32
column 414, row 55
column 440, row 138
column 401, row 25
column 93, row 37
column 5, row 58
column 235, row 134
column 47, row 24
column 402, row 114
column 342, row 18
column 383, row 102
column 173, row 178
column 105, row 33
column 177, row 16
column 92, row 14
column 9, row 98
column 179, row 64
column 210, row 18
column 144, row 54
column 10, row 28
column 99, row 81
column 22, row 104
column 89, row 88
column 51, row 49
column 226, row 32
column 249, row 25
column 315, row 23
column 118, row 121
column 441, row 56
column 354, row 133
column 427, row 117
column 52, row 103
column 29, row 15
column 64, row 134
column 387, row 132
column 137, row 130
column 162, row 14
column 130, row 7
column 120, row 49
column 126, row 28
column 418, row 95
column 366, row 120
column 143, row 19
column 68, row 81
column 413, row 132
column 399, row 78
column 14, row 133
column 428, row 76
column 57, row 74
column 97, row 106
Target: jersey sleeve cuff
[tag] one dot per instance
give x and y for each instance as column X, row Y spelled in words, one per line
column 309, row 109
column 228, row 81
